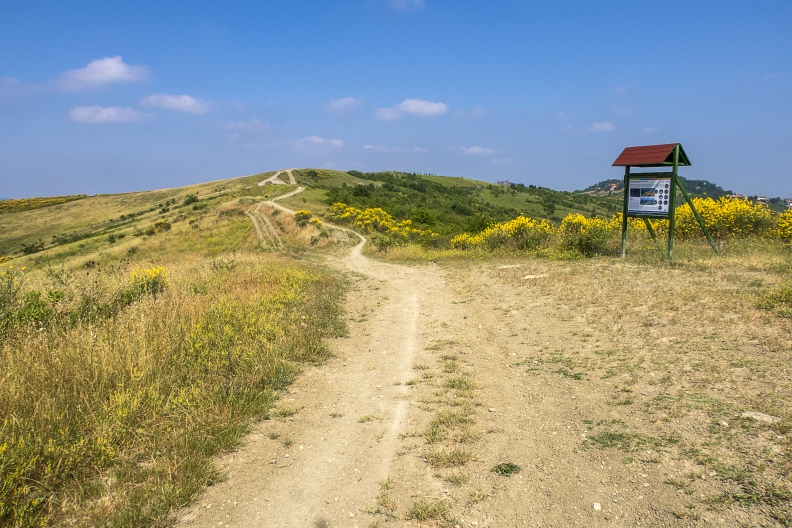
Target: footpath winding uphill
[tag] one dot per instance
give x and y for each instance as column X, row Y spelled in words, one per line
column 429, row 392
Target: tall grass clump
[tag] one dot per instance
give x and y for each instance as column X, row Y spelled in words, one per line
column 118, row 388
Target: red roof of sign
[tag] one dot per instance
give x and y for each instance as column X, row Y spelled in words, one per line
column 650, row 156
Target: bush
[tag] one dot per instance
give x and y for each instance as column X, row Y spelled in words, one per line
column 302, row 216
column 522, row 233
column 377, row 220
column 142, row 282
column 33, row 247
column 725, row 218
column 784, row 230
column 589, row 236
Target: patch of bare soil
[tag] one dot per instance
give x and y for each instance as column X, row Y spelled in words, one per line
column 520, row 394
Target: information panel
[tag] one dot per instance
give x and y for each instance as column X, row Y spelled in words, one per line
column 649, row 195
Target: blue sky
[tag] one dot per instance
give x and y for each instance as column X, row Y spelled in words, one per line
column 111, row 96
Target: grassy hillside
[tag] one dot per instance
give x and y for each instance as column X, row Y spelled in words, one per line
column 446, row 205
column 140, row 334
column 99, row 223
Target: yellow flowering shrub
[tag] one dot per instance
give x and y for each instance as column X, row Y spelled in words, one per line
column 149, row 281
column 725, row 218
column 302, row 217
column 377, row 220
column 588, row 235
column 521, row 233
column 784, row 229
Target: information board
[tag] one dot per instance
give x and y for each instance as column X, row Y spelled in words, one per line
column 649, row 195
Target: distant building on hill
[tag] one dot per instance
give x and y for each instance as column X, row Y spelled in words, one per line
column 504, row 182
column 738, row 197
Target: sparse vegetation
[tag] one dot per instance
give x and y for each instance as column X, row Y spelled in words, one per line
column 506, row 469
column 425, row 510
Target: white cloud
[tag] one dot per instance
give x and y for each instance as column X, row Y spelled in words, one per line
column 313, row 142
column 602, row 126
column 649, row 130
column 344, row 104
column 407, row 5
column 419, row 107
column 251, row 125
column 101, row 72
column 478, row 151
column 564, row 116
column 182, row 103
column 387, row 114
column 422, row 108
column 104, row 114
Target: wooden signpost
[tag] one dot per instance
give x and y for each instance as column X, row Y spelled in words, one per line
column 650, row 195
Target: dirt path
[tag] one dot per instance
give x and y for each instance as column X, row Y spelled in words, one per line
column 275, row 178
column 447, row 373
column 262, row 225
column 322, row 465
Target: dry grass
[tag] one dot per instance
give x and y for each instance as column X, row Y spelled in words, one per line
column 688, row 346
column 117, row 395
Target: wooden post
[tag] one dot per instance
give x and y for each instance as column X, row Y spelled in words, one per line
column 698, row 217
column 650, row 228
column 624, row 210
column 672, row 203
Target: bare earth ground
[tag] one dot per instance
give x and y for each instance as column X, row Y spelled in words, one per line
column 449, row 371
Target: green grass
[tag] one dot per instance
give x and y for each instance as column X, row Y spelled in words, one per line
column 625, row 441
column 425, row 510
column 449, row 457
column 506, row 469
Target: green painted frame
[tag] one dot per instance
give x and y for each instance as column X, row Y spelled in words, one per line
column 646, row 216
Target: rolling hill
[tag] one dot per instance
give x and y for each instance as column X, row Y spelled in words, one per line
column 447, row 205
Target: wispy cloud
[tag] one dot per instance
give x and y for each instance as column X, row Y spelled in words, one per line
column 101, row 72
column 407, row 5
column 418, row 107
column 478, row 151
column 602, row 126
column 317, row 142
column 422, row 108
column 105, row 114
column 344, row 104
column 182, row 103
column 387, row 114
